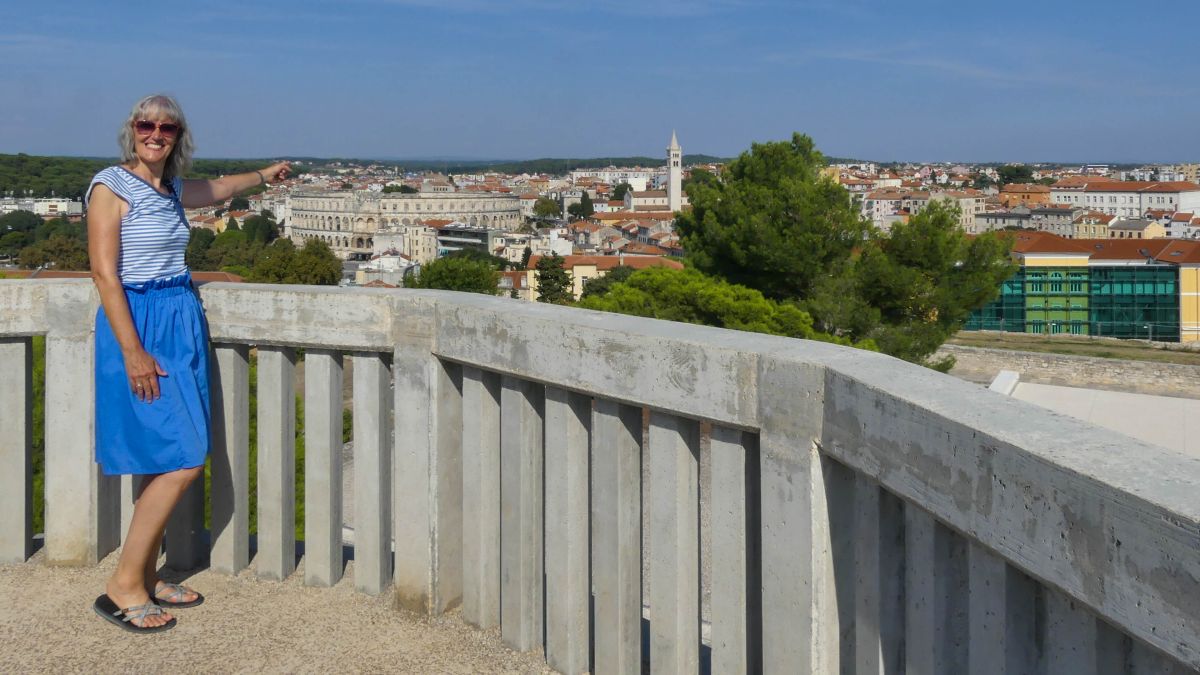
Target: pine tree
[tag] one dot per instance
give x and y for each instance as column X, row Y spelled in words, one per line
column 553, row 281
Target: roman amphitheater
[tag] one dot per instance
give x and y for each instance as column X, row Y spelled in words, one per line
column 348, row 220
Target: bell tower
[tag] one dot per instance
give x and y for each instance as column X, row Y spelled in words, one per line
column 674, row 175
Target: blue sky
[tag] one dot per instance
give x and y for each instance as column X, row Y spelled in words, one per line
column 1055, row 80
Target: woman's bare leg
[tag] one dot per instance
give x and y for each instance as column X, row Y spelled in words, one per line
column 160, row 493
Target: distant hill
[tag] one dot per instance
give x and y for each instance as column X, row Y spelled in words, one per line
column 69, row 176
column 549, row 165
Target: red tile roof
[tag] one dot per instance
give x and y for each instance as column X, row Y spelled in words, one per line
column 1124, row 249
column 1036, row 241
column 607, row 262
column 1180, row 252
column 1026, row 188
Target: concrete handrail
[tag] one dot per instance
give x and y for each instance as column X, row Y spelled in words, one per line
column 1109, row 522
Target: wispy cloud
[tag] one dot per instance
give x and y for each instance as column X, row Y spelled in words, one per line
column 661, row 8
column 1035, row 70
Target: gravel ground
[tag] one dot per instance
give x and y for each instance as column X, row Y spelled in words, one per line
column 244, row 626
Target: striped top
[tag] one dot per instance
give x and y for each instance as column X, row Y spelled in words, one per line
column 154, row 232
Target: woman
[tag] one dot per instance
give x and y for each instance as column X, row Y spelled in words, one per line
column 152, row 397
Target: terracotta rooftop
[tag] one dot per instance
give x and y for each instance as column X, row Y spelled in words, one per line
column 1026, row 188
column 607, row 262
column 1036, row 241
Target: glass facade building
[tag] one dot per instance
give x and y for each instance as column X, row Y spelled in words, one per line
column 1125, row 301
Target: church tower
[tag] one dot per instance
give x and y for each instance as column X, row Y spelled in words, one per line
column 674, row 175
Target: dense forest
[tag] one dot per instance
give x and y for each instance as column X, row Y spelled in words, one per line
column 69, row 176
column 548, row 165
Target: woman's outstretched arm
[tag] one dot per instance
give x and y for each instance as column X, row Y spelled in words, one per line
column 199, row 193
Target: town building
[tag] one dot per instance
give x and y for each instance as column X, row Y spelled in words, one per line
column 1125, row 288
column 1054, row 219
column 1135, row 228
column 1129, row 199
column 1024, row 194
column 456, row 236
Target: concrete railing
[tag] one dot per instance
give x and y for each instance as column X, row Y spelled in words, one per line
column 864, row 514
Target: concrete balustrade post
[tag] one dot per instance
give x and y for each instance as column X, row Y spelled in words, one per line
column 1023, row 604
column 427, row 480
column 185, row 540
column 736, row 603
column 674, row 456
column 84, row 517
column 568, row 585
column 230, row 458
column 987, row 646
column 323, row 461
column 1070, row 635
column 799, row 595
column 868, row 590
column 130, row 486
column 521, row 515
column 372, row 473
column 936, row 593
column 921, row 619
column 481, row 497
column 276, row 463
column 617, row 536
column 16, row 449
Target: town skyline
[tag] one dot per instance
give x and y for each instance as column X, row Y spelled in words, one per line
column 411, row 78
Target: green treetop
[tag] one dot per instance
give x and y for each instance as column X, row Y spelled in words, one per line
column 402, row 189
column 689, row 296
column 546, row 207
column 772, row 222
column 1015, row 173
column 553, row 282
column 459, row 273
column 584, row 208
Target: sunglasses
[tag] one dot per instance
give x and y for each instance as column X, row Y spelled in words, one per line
column 146, row 127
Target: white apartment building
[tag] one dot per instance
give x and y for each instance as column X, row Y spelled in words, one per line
column 637, row 177
column 418, row 242
column 47, row 207
column 884, row 207
column 1128, row 199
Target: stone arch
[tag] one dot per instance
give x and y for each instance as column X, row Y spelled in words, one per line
column 370, row 242
column 406, row 221
column 358, row 243
column 474, row 220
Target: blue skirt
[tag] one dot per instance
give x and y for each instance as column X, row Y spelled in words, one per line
column 135, row 437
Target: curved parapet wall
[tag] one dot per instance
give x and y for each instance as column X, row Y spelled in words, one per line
column 865, row 510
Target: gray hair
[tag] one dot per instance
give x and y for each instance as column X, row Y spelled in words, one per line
column 155, row 105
